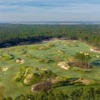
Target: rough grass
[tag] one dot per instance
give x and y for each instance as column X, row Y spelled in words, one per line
column 55, row 51
column 69, row 89
column 1, row 92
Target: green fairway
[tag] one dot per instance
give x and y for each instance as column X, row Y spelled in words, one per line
column 44, row 56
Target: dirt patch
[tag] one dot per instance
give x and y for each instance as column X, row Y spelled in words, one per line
column 45, row 85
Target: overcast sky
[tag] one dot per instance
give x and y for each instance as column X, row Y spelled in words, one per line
column 49, row 10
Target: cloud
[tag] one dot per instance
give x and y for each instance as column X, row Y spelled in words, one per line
column 11, row 10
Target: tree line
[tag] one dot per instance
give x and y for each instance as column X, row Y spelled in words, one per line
column 14, row 34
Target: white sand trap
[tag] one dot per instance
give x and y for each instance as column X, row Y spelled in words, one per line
column 97, row 56
column 44, row 69
column 5, row 69
column 20, row 61
column 63, row 65
column 94, row 51
column 74, row 41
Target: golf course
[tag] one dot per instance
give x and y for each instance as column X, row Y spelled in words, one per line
column 24, row 66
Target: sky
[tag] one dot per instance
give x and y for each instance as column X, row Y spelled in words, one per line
column 49, row 10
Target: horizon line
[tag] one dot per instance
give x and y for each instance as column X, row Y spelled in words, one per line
column 50, row 22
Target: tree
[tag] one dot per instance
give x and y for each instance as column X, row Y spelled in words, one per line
column 83, row 59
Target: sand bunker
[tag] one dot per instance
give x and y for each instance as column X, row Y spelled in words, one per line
column 93, row 50
column 44, row 69
column 64, row 65
column 21, row 61
column 85, row 81
column 5, row 69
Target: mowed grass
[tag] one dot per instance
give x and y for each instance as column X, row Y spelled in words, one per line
column 44, row 55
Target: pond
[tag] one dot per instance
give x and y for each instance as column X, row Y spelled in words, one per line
column 96, row 63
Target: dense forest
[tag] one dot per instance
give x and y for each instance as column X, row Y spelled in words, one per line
column 15, row 34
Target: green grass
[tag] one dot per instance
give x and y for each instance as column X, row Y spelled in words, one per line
column 1, row 92
column 48, row 57
column 69, row 89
